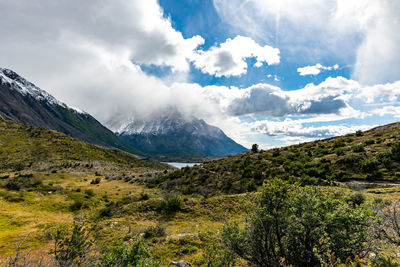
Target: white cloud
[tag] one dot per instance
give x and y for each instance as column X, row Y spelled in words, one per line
column 315, row 70
column 229, row 58
column 388, row 110
column 363, row 34
column 297, row 131
column 328, row 97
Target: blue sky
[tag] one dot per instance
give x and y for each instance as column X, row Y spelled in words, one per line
column 272, row 72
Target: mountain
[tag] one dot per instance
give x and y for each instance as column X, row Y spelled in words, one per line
column 174, row 134
column 21, row 101
column 370, row 156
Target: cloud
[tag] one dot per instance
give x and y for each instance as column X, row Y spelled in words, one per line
column 229, row 58
column 388, row 110
column 315, row 70
column 362, row 34
column 298, row 129
column 329, row 97
column 388, row 92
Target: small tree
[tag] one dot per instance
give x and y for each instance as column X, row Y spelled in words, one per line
column 254, row 148
column 72, row 248
column 294, row 226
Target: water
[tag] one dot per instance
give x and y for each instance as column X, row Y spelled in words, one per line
column 181, row 165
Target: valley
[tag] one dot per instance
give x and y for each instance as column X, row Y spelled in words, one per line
column 51, row 182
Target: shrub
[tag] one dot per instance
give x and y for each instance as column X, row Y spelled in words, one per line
column 78, row 204
column 96, row 181
column 72, row 249
column 339, row 151
column 297, row 227
column 254, row 148
column 369, row 142
column 359, row 133
column 89, row 193
column 369, row 165
column 358, row 148
column 126, row 255
column 356, row 199
column 144, row 196
column 154, row 231
column 174, row 203
column 395, row 151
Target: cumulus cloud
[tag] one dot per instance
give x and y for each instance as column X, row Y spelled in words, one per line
column 91, row 57
column 229, row 58
column 315, row 70
column 329, row 97
column 363, row 34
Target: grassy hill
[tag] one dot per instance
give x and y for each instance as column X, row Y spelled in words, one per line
column 50, row 182
column 27, row 147
column 373, row 155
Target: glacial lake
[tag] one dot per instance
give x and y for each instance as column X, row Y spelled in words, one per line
column 180, row 165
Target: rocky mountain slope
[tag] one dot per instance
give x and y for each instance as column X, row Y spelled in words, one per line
column 23, row 102
column 174, row 134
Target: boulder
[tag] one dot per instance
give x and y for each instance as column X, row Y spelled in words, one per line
column 179, row 264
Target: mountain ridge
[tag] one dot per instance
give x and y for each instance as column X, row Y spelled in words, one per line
column 174, row 134
column 23, row 102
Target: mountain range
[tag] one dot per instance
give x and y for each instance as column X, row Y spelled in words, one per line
column 172, row 134
column 175, row 134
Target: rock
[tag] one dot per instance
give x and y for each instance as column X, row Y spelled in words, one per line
column 179, row 264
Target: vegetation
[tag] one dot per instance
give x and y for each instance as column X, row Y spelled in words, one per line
column 301, row 227
column 323, row 162
column 306, row 205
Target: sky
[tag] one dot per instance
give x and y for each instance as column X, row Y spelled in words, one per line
column 272, row 72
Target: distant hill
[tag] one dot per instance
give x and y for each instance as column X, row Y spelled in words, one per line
column 373, row 155
column 23, row 102
column 29, row 147
column 175, row 135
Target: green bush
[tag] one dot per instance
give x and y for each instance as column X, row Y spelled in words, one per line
column 369, row 165
column 144, row 196
column 78, row 204
column 72, row 248
column 358, row 148
column 121, row 254
column 298, row 226
column 96, row 181
column 174, row 203
column 154, row 231
column 339, row 151
column 395, row 151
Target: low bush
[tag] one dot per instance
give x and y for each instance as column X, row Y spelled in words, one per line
column 154, row 231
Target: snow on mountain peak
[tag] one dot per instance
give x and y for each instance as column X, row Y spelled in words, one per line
column 24, row 87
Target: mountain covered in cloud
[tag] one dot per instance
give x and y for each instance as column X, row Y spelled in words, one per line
column 21, row 101
column 177, row 135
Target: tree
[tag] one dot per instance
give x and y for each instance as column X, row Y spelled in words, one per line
column 72, row 248
column 254, row 148
column 289, row 225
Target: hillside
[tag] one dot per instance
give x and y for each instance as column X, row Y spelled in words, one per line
column 28, row 147
column 174, row 135
column 23, row 102
column 373, row 155
column 51, row 183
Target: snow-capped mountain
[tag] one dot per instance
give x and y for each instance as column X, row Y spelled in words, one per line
column 174, row 134
column 21, row 101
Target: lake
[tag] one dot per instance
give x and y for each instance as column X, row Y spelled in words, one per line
column 180, row 165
